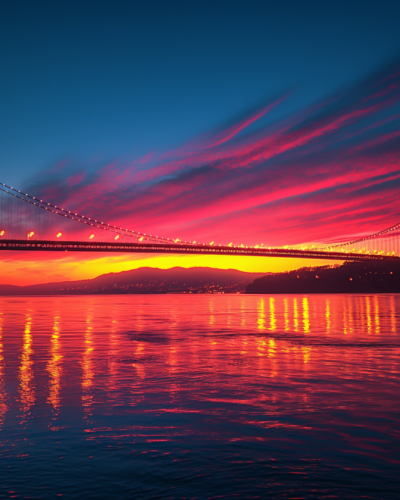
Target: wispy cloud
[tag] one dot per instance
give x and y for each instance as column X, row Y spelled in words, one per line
column 331, row 171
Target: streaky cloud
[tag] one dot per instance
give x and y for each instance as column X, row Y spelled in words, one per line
column 328, row 172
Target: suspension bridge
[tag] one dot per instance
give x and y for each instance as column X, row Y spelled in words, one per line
column 28, row 223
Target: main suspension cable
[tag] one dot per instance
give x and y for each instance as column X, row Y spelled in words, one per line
column 82, row 218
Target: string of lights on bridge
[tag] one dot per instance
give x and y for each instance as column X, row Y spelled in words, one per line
column 80, row 218
column 119, row 231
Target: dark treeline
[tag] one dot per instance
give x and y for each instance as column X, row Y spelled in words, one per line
column 351, row 277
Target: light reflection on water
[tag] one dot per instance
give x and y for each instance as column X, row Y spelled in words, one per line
column 201, row 396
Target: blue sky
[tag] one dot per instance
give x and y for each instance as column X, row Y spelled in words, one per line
column 96, row 81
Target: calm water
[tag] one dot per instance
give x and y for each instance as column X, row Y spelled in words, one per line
column 179, row 396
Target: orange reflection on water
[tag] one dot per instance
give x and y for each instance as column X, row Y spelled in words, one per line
column 26, row 376
column 54, row 365
column 376, row 315
column 306, row 353
column 345, row 320
column 286, row 313
column 261, row 345
column 368, row 314
column 272, row 314
column 295, row 315
column 349, row 317
column 306, row 316
column 271, row 348
column 87, row 368
column 261, row 315
column 328, row 315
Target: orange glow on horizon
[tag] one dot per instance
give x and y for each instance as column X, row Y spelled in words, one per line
column 28, row 269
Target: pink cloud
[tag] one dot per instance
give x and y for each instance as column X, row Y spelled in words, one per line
column 311, row 176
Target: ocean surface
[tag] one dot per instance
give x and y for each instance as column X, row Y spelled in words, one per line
column 200, row 396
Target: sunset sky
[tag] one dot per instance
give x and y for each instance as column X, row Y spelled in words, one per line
column 256, row 122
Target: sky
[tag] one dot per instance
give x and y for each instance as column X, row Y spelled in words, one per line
column 244, row 122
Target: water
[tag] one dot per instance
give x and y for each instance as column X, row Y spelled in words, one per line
column 204, row 396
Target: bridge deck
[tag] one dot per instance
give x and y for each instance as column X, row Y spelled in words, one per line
column 83, row 246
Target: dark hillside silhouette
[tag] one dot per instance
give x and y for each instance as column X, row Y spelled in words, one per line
column 351, row 277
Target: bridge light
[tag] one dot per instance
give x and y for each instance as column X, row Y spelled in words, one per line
column 59, row 234
column 2, row 232
column 116, row 238
column 91, row 236
column 230, row 244
column 30, row 234
column 141, row 238
column 211, row 243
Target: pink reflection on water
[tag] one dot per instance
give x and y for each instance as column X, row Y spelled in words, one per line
column 238, row 356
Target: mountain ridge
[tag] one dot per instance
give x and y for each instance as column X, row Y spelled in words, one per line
column 145, row 280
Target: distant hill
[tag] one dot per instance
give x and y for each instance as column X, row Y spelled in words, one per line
column 146, row 280
column 351, row 277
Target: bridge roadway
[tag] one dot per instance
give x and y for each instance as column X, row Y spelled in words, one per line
column 188, row 249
